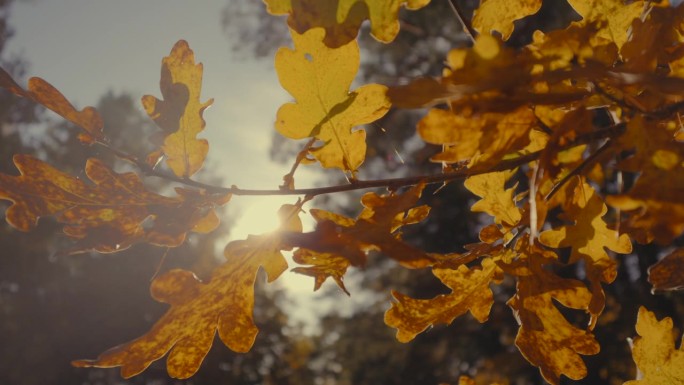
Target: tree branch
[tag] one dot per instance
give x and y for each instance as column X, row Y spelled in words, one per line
column 393, row 183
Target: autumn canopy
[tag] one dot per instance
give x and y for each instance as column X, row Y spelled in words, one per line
column 572, row 147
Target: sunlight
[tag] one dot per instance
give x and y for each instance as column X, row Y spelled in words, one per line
column 257, row 215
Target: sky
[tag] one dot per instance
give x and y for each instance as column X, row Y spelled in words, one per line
column 88, row 47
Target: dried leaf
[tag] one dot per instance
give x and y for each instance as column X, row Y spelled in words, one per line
column 589, row 238
column 654, row 352
column 499, row 15
column 198, row 310
column 342, row 19
column 179, row 115
column 319, row 79
column 43, row 93
column 470, row 292
column 668, row 273
column 546, row 338
column 107, row 216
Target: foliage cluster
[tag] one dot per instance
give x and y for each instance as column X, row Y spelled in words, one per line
column 548, row 137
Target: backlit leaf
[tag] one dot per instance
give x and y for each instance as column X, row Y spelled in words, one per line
column 107, row 216
column 319, row 79
column 43, row 93
column 341, row 19
column 499, row 15
column 470, row 292
column 376, row 228
column 199, row 310
column 654, row 352
column 179, row 115
column 322, row 266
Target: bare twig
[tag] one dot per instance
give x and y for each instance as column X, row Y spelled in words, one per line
column 467, row 27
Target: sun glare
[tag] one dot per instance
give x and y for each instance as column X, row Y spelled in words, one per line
column 257, row 215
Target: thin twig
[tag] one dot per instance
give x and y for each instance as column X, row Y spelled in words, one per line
column 392, row 183
column 467, row 28
column 577, row 170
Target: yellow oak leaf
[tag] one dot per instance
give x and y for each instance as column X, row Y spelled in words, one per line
column 43, row 93
column 322, row 266
column 668, row 273
column 589, row 238
column 375, row 228
column 470, row 292
column 615, row 15
column 319, row 79
column 496, row 201
column 654, row 352
column 109, row 215
column 341, row 19
column 179, row 115
column 198, row 310
column 487, row 137
column 499, row 15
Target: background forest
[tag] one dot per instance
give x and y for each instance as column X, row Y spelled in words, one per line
column 54, row 309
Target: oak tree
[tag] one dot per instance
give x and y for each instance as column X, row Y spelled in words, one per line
column 571, row 146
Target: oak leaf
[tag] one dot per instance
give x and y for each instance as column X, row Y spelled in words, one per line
column 654, row 352
column 615, row 15
column 43, row 93
column 496, row 200
column 321, row 267
column 107, row 216
column 484, row 139
column 499, row 15
column 589, row 238
column 198, row 310
column 654, row 213
column 470, row 292
column 375, row 228
column 319, row 79
column 668, row 273
column 179, row 115
column 545, row 338
column 342, row 19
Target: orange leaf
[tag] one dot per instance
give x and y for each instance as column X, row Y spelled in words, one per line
column 46, row 95
column 106, row 216
column 319, row 78
column 654, row 352
column 374, row 229
column 198, row 310
column 589, row 237
column 179, row 115
column 546, row 338
column 470, row 292
column 342, row 19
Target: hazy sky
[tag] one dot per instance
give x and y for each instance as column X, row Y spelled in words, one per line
column 87, row 47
